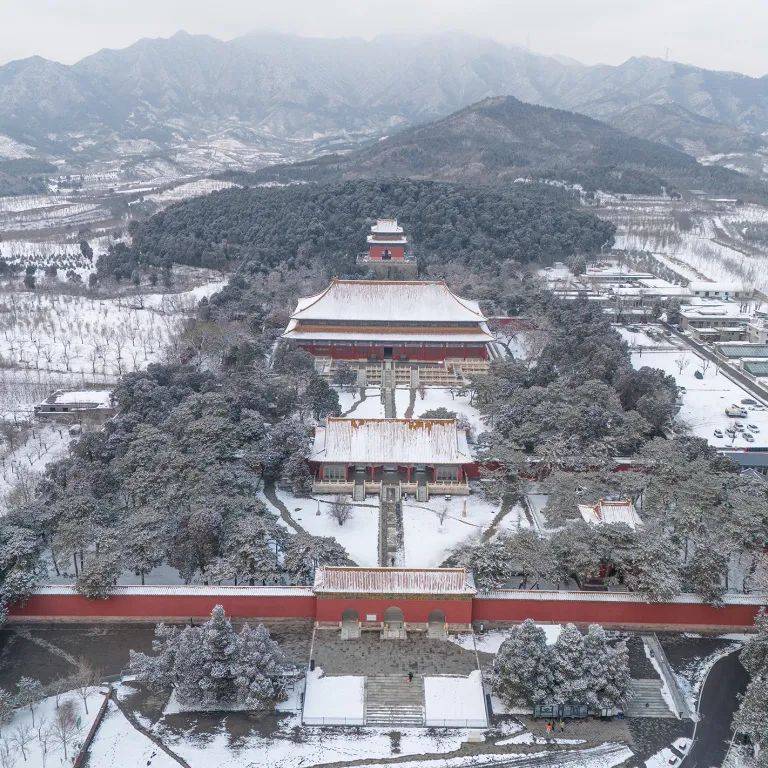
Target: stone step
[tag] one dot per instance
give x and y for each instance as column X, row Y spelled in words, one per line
column 393, row 700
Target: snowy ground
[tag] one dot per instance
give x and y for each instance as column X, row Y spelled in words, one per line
column 427, row 541
column 359, row 535
column 430, row 398
column 338, row 699
column 455, row 700
column 425, row 399
column 647, row 336
column 21, row 467
column 705, row 400
column 41, row 747
column 188, row 189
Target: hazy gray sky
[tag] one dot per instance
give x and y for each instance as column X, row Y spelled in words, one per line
column 717, row 34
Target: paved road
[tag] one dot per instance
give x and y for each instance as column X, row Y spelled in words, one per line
column 719, row 701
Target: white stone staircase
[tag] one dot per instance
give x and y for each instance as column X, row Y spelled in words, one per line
column 646, row 700
column 392, row 700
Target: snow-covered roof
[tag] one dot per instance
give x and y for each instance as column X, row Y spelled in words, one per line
column 399, row 581
column 391, row 441
column 703, row 286
column 608, row 511
column 715, row 309
column 182, row 589
column 742, row 349
column 97, row 397
column 402, row 301
column 479, row 334
column 386, row 227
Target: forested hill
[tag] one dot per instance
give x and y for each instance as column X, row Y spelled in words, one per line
column 499, row 139
column 265, row 227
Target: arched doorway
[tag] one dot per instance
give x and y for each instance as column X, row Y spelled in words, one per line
column 350, row 624
column 394, row 624
column 436, row 625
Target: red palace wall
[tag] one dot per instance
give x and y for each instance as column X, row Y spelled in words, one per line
column 610, row 612
column 168, row 606
column 376, row 252
column 181, row 603
column 414, row 609
column 376, row 352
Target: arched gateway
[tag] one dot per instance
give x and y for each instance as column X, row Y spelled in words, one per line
column 394, row 601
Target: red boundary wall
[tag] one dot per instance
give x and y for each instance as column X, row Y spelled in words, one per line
column 182, row 603
column 148, row 604
column 612, row 610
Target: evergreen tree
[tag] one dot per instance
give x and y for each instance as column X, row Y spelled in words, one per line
column 522, row 669
column 571, row 678
column 157, row 672
column 263, row 671
column 205, row 670
column 606, row 669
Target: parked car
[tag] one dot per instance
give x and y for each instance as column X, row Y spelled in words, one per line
column 730, row 432
column 718, row 433
column 748, row 401
column 749, row 437
column 754, row 427
column 736, row 411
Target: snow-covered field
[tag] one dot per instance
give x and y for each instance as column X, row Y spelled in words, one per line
column 20, row 467
column 65, row 256
column 98, row 339
column 189, row 189
column 705, row 400
column 700, row 241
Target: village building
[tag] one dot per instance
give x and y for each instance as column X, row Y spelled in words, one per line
column 713, row 321
column 388, row 253
column 93, row 405
column 392, row 331
column 416, row 456
column 608, row 511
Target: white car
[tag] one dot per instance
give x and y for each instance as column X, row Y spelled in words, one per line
column 718, row 433
column 754, row 427
column 749, row 437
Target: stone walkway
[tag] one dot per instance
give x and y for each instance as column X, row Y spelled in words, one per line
column 370, row 655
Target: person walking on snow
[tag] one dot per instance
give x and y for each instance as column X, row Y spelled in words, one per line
column 410, row 677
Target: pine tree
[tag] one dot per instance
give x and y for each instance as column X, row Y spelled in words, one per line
column 206, row 661
column 607, row 669
column 262, row 668
column 522, row 668
column 157, row 672
column 571, row 682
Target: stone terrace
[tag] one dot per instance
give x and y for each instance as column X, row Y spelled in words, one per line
column 370, row 655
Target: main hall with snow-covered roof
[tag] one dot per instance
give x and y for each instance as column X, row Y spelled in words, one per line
column 417, row 456
column 420, row 331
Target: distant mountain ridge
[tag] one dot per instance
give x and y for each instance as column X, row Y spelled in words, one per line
column 500, row 139
column 168, row 90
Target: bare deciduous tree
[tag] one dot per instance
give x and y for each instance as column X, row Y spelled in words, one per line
column 340, row 510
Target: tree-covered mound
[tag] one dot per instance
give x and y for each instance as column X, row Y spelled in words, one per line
column 266, row 227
